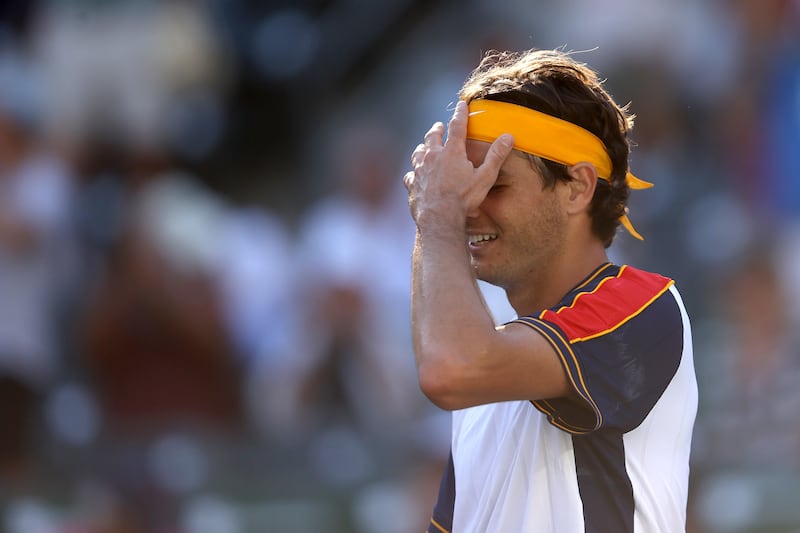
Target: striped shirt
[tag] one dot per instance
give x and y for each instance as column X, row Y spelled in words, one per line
column 616, row 459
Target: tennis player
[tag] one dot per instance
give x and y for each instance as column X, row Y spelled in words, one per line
column 577, row 416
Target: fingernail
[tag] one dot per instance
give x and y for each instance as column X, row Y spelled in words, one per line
column 506, row 140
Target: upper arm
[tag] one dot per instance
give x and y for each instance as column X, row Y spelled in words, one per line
column 515, row 362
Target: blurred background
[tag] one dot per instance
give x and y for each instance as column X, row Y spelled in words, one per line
column 205, row 245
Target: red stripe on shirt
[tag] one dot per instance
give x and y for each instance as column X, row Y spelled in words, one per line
column 613, row 302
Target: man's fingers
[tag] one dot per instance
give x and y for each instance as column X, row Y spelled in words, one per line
column 497, row 154
column 416, row 155
column 457, row 128
column 408, row 180
column 435, row 135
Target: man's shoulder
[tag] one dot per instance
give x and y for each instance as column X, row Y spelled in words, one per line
column 606, row 301
column 610, row 279
column 637, row 276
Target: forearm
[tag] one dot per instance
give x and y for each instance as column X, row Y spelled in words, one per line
column 455, row 341
column 451, row 325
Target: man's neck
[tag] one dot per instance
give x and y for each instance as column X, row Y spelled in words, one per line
column 548, row 288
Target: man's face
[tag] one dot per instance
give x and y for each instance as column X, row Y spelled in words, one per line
column 519, row 229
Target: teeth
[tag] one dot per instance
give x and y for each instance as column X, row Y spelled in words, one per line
column 475, row 239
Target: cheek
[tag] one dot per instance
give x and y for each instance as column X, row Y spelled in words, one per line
column 522, row 212
column 538, row 209
column 544, row 221
column 555, row 220
column 494, row 207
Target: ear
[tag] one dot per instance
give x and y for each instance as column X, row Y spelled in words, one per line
column 581, row 188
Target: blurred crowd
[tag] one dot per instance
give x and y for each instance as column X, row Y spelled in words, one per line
column 205, row 250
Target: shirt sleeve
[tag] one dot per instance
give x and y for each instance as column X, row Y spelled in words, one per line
column 620, row 344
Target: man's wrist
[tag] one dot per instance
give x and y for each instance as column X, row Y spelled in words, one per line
column 441, row 224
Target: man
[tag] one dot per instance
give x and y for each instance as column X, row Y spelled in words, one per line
column 578, row 415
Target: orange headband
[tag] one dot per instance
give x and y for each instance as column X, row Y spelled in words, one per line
column 545, row 136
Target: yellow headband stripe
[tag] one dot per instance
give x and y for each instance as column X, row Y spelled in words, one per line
column 545, row 136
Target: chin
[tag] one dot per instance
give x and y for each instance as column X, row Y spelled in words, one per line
column 492, row 276
column 484, row 274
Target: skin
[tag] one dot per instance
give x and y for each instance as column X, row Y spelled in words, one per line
column 540, row 247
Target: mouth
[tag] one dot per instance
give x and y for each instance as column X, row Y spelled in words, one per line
column 482, row 238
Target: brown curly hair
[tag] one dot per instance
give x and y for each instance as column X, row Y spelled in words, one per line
column 552, row 82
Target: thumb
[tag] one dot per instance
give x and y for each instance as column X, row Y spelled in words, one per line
column 497, row 154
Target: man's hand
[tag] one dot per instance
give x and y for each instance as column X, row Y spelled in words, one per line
column 444, row 185
column 462, row 359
